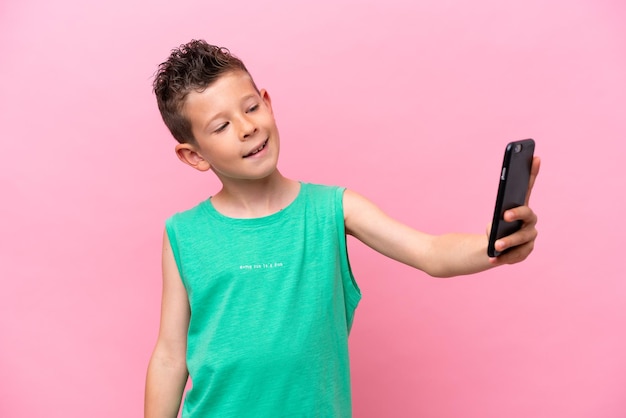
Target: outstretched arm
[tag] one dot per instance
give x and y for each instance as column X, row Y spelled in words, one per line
column 438, row 255
column 167, row 371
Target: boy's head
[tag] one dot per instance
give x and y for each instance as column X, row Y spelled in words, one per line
column 193, row 66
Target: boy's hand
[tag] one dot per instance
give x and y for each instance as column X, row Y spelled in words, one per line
column 521, row 242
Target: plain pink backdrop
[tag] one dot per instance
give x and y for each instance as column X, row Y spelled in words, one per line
column 409, row 103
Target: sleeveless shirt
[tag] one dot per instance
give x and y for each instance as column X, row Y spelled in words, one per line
column 272, row 302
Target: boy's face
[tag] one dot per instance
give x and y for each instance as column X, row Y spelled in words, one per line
column 235, row 131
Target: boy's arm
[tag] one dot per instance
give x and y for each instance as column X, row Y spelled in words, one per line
column 438, row 255
column 167, row 371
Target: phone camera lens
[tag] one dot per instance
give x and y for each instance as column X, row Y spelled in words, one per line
column 518, row 147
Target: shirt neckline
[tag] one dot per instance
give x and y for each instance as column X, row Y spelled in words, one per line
column 207, row 205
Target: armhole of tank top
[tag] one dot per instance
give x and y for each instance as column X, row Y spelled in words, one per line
column 349, row 281
column 171, row 235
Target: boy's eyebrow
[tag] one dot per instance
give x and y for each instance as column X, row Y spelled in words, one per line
column 216, row 115
column 250, row 96
column 205, row 127
column 208, row 120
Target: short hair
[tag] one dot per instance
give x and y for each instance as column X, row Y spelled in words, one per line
column 192, row 66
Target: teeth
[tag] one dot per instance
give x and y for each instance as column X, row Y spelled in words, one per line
column 258, row 149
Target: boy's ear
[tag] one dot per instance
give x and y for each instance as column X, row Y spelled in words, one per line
column 190, row 156
column 266, row 98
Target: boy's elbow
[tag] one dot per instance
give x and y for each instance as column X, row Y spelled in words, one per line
column 440, row 273
column 435, row 265
column 433, row 269
column 168, row 356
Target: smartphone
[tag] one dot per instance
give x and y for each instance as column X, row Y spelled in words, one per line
column 514, row 178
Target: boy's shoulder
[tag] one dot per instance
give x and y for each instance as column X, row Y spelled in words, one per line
column 188, row 216
column 319, row 188
column 318, row 192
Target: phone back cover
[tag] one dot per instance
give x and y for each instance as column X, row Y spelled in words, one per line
column 512, row 189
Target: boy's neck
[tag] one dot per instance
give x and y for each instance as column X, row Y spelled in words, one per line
column 255, row 199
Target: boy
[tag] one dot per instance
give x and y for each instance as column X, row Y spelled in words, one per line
column 258, row 296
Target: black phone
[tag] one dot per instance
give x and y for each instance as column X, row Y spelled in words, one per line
column 514, row 179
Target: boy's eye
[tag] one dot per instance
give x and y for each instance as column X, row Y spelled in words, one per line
column 253, row 108
column 221, row 127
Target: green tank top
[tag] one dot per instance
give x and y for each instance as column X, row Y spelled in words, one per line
column 272, row 302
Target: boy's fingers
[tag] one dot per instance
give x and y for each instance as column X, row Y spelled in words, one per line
column 521, row 237
column 521, row 213
column 522, row 241
column 515, row 255
column 534, row 170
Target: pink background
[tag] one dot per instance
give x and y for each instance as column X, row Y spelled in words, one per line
column 409, row 103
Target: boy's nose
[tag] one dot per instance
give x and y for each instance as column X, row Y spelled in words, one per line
column 249, row 133
column 247, row 128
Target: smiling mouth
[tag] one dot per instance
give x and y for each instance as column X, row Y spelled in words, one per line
column 257, row 150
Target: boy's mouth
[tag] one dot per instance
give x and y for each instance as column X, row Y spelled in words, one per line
column 256, row 150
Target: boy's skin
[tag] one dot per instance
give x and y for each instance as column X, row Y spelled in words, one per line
column 231, row 120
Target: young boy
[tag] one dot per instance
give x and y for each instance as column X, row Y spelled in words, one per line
column 258, row 295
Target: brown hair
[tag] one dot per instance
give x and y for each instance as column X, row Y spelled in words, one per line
column 192, row 66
